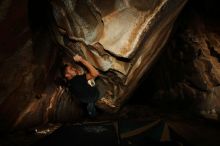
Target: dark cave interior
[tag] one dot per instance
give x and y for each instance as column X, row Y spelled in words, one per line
column 162, row 97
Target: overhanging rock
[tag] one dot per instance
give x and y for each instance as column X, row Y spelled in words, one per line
column 120, row 38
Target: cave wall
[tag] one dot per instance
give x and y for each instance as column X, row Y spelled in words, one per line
column 186, row 71
column 186, row 75
column 28, row 94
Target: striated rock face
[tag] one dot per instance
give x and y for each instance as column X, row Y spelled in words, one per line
column 120, row 38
